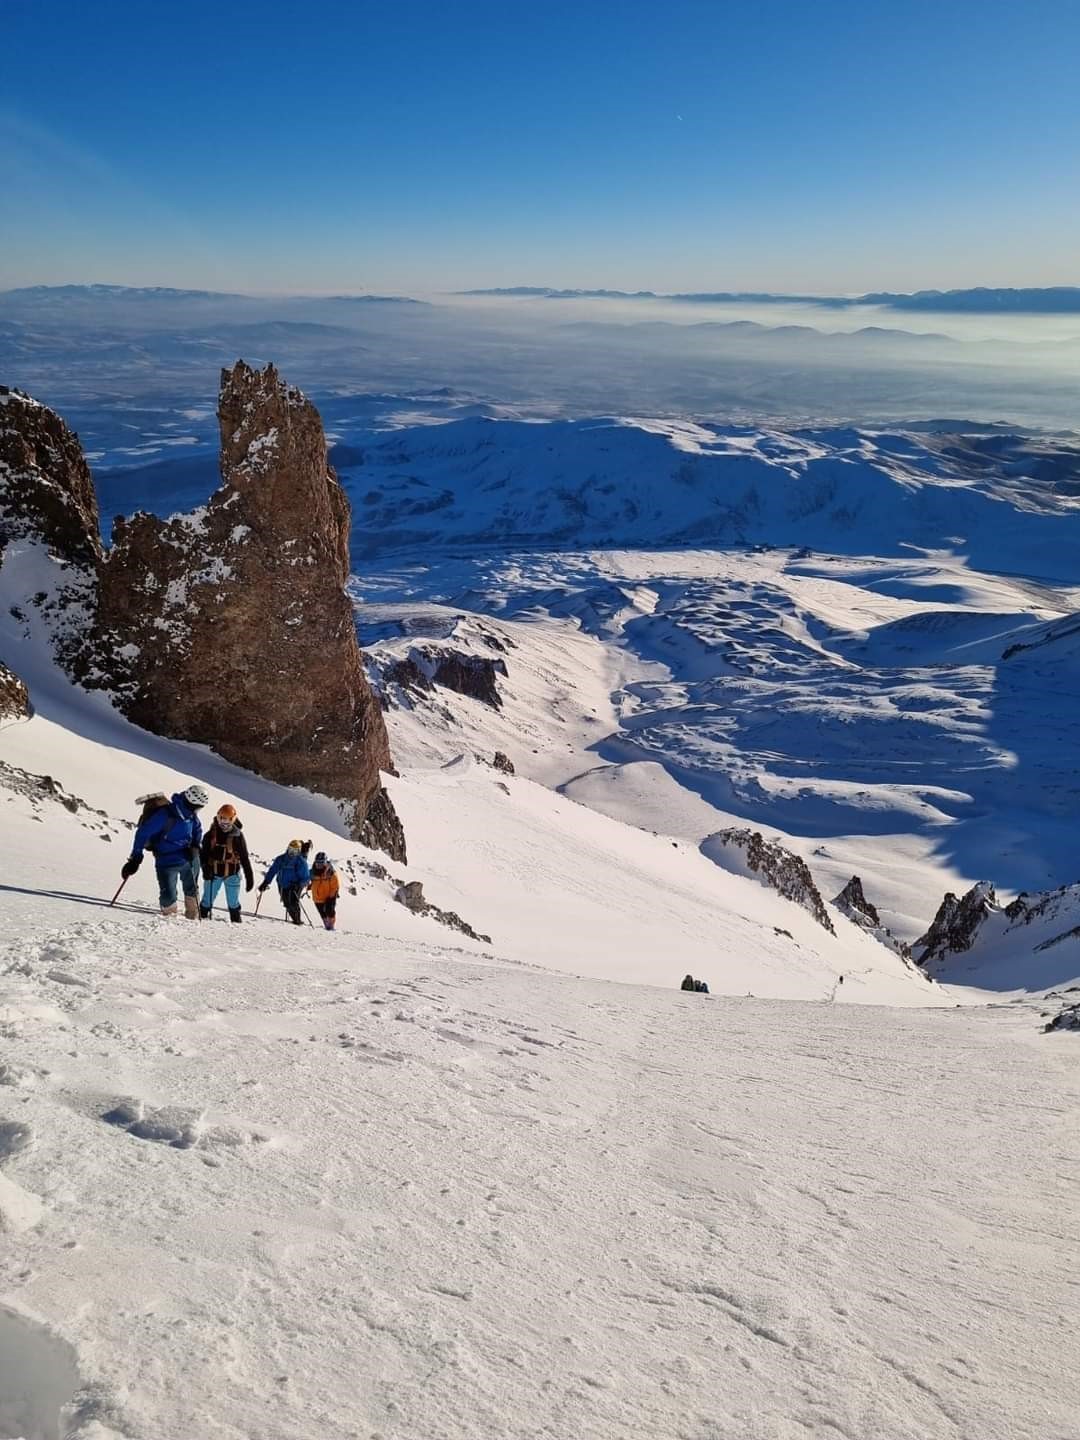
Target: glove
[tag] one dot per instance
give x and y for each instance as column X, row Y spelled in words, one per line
column 130, row 866
column 263, row 889
column 249, row 886
column 207, row 873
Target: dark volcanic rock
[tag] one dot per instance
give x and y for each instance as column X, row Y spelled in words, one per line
column 775, row 866
column 46, row 489
column 47, row 501
column 852, row 902
column 14, row 697
column 503, row 762
column 230, row 626
column 956, row 923
column 471, row 675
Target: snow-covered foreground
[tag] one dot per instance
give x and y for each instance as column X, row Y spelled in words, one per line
column 366, row 1187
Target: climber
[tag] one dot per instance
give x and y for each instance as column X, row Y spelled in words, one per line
column 224, row 854
column 688, row 983
column 172, row 833
column 701, row 987
column 292, row 873
column 324, row 889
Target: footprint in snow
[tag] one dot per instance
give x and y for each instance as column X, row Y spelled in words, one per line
column 175, row 1126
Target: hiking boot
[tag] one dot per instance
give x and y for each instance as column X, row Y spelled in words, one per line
column 235, row 915
column 168, row 911
column 191, row 908
column 204, row 912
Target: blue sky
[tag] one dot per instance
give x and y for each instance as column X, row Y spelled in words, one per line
column 826, row 145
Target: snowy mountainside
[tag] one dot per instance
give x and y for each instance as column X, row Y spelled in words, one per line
column 859, row 708
column 495, row 1191
column 622, row 482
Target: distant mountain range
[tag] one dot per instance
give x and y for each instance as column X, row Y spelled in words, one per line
column 1053, row 300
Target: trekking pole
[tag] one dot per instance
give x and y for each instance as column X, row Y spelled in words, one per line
column 117, row 895
column 258, row 900
column 303, row 911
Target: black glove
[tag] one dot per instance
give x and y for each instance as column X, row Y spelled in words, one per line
column 249, row 886
column 130, row 866
column 207, row 873
column 263, row 889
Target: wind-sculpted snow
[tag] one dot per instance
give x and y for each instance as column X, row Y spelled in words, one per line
column 659, row 483
column 911, row 721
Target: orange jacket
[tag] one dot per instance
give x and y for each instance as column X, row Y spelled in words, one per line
column 324, row 886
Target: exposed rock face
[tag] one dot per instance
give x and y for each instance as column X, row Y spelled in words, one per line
column 230, row 625
column 411, row 895
column 471, row 675
column 503, row 762
column 774, row 866
column 47, row 504
column 853, row 903
column 956, row 923
column 46, row 489
column 14, row 697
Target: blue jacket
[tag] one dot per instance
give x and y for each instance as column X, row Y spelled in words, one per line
column 290, row 870
column 169, row 833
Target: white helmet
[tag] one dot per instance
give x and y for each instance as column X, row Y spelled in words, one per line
column 195, row 795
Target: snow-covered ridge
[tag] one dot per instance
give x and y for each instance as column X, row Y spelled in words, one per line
column 635, row 482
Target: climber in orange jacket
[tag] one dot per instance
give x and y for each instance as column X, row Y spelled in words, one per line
column 324, row 889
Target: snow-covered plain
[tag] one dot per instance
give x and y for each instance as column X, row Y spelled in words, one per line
column 265, row 1183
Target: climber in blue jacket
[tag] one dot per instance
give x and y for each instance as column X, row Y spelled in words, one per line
column 293, row 875
column 172, row 833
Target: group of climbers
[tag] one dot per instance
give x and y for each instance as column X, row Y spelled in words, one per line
column 171, row 830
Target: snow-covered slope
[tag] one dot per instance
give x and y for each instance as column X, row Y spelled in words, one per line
column 617, row 482
column 266, row 1181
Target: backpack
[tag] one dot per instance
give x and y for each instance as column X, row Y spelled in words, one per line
column 150, row 803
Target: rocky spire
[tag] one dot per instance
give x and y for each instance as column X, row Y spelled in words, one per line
column 232, row 626
column 46, row 489
column 853, row 903
column 956, row 923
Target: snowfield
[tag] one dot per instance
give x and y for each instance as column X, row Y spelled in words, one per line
column 269, row 1183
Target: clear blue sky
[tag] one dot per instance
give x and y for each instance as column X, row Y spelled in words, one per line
column 826, row 145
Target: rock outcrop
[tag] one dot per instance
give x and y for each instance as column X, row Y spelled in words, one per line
column 46, row 489
column 50, row 548
column 14, row 696
column 472, row 675
column 230, row 626
column 748, row 852
column 852, row 903
column 411, row 895
column 956, row 924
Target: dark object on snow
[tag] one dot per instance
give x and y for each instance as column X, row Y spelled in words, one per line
column 701, row 987
column 689, row 983
column 412, row 897
column 472, row 675
column 503, row 762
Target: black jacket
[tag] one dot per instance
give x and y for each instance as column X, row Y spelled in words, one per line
column 225, row 853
